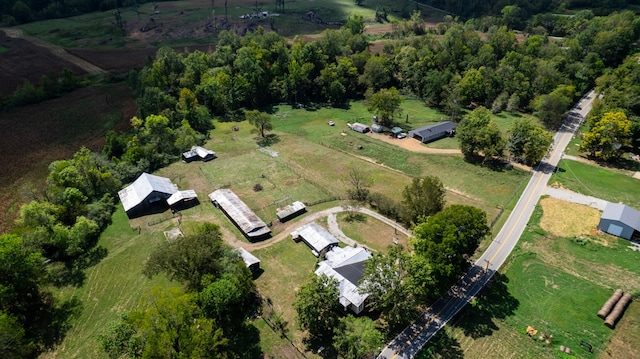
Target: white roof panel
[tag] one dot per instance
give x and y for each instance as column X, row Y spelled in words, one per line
column 181, row 195
column 315, row 236
column 144, row 185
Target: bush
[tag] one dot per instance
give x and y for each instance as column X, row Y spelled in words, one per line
column 385, row 205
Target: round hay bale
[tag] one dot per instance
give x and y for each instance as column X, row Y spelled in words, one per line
column 617, row 311
column 562, row 348
column 608, row 305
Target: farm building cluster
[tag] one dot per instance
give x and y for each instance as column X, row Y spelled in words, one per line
column 151, row 194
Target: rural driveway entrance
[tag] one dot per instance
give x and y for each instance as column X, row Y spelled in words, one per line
column 57, row 51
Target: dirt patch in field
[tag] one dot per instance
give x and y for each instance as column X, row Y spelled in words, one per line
column 623, row 343
column 26, row 61
column 413, row 145
column 565, row 219
column 53, row 130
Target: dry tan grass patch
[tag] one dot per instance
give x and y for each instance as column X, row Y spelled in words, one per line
column 563, row 219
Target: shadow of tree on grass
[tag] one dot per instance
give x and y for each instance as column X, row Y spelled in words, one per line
column 493, row 302
column 442, row 345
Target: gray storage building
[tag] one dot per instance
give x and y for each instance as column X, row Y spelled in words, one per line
column 434, row 132
column 240, row 214
column 620, row 220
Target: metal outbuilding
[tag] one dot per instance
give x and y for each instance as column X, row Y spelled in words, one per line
column 316, row 237
column 294, row 209
column 147, row 193
column 620, row 220
column 198, row 153
column 252, row 262
column 240, row 214
column 434, row 132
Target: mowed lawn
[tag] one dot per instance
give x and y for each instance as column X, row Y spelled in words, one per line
column 599, row 182
column 287, row 265
column 113, row 287
column 556, row 285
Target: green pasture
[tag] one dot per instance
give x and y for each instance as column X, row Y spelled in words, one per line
column 112, row 287
column 454, row 172
column 610, row 185
column 287, row 265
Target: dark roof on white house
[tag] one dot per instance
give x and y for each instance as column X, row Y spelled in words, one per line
column 427, row 131
column 239, row 212
column 346, row 265
column 622, row 213
column 143, row 186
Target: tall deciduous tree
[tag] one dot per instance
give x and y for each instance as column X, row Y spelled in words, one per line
column 423, row 198
column 360, row 183
column 357, row 337
column 194, row 257
column 386, row 279
column 550, row 108
column 477, row 132
column 260, row 120
column 606, row 135
column 446, row 241
column 528, row 141
column 385, row 104
column 171, row 326
column 318, row 308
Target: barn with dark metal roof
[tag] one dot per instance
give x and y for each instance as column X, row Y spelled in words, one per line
column 434, row 132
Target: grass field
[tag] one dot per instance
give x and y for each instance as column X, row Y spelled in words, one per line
column 312, row 160
column 452, row 170
column 113, row 287
column 556, row 285
column 610, row 185
column 287, row 265
column 371, row 232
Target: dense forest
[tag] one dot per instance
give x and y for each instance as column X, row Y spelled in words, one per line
column 453, row 68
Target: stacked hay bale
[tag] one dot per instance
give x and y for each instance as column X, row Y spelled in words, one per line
column 608, row 305
column 617, row 311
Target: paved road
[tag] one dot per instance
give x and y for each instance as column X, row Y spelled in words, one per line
column 408, row 343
